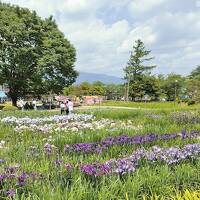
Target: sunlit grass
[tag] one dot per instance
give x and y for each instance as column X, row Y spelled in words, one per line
column 152, row 105
column 150, row 181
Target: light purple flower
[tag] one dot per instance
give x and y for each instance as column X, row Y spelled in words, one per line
column 11, row 192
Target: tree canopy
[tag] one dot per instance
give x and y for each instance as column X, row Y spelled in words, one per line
column 137, row 64
column 85, row 89
column 195, row 74
column 35, row 57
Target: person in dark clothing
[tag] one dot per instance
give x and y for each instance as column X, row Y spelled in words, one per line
column 26, row 106
column 31, row 106
column 66, row 108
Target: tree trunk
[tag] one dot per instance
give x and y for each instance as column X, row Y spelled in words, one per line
column 14, row 101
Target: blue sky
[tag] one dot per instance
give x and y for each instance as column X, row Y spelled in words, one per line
column 103, row 31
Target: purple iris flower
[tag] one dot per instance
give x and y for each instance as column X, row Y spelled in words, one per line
column 22, row 179
column 11, row 192
column 99, row 147
column 2, row 161
column 58, row 162
column 68, row 166
column 170, row 156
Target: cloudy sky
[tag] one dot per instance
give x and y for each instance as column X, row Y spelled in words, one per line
column 103, row 31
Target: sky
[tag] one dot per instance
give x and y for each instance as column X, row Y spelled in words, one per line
column 103, row 31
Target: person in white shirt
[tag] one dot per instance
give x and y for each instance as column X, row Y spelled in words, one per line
column 34, row 104
column 62, row 107
column 70, row 106
column 21, row 103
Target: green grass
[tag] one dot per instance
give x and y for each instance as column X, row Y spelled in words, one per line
column 149, row 180
column 32, row 113
column 152, row 105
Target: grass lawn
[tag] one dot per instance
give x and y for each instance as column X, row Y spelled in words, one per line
column 35, row 170
column 152, row 105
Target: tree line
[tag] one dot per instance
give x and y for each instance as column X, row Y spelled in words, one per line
column 141, row 85
column 97, row 88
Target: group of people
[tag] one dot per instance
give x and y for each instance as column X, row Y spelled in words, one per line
column 27, row 105
column 66, row 107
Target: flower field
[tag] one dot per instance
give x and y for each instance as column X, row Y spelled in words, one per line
column 110, row 154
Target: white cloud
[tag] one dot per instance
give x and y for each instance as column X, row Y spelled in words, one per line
column 140, row 6
column 99, row 53
column 145, row 33
column 51, row 7
column 74, row 6
column 103, row 32
column 44, row 8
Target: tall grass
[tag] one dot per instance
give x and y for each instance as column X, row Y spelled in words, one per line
column 150, row 181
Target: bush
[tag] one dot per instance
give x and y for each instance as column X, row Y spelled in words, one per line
column 1, row 107
column 185, row 100
column 9, row 108
column 191, row 102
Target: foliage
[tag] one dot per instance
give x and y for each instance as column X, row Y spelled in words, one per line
column 135, row 66
column 185, row 195
column 193, row 85
column 1, row 107
column 9, row 108
column 35, row 58
column 85, row 89
column 151, row 87
column 191, row 102
column 173, row 85
column 195, row 74
column 140, row 82
column 114, row 91
column 137, row 69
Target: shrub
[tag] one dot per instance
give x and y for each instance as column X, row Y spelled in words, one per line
column 1, row 107
column 191, row 102
column 9, row 108
column 185, row 100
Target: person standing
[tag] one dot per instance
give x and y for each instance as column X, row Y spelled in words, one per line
column 62, row 107
column 34, row 104
column 66, row 108
column 21, row 102
column 70, row 106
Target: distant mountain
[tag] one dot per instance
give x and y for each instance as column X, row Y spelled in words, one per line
column 91, row 77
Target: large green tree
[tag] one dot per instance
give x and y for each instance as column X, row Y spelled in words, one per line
column 114, row 91
column 195, row 74
column 35, row 57
column 97, row 88
column 193, row 89
column 137, row 69
column 85, row 89
column 193, row 84
column 173, row 86
column 151, row 87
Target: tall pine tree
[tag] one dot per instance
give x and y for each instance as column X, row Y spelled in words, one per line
column 136, row 69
